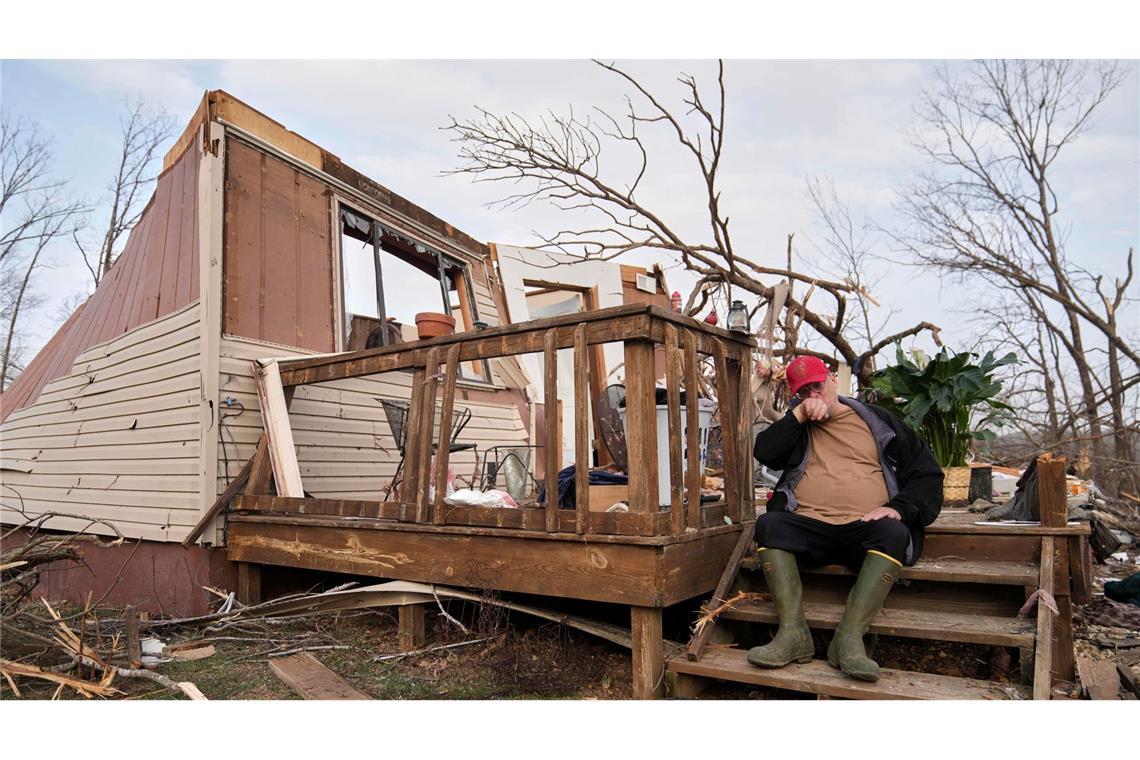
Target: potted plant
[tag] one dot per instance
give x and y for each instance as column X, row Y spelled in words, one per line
column 949, row 401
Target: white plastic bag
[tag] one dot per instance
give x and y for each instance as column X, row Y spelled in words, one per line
column 466, row 497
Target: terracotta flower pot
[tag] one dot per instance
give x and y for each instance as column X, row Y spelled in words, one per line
column 432, row 324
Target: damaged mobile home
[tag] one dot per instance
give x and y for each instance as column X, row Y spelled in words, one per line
column 259, row 244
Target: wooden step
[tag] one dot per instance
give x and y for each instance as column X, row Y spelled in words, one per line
column 944, row 570
column 818, row 677
column 908, row 623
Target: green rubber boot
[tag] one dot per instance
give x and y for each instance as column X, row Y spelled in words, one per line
column 846, row 652
column 792, row 641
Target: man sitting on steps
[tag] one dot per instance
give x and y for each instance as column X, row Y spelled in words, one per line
column 858, row 488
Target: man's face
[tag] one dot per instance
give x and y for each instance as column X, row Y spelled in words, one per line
column 827, row 391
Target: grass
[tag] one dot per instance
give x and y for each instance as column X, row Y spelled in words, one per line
column 520, row 660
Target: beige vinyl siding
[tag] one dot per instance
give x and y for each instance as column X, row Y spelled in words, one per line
column 344, row 444
column 116, row 438
column 484, row 303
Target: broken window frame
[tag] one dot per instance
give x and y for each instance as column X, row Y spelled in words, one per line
column 383, row 237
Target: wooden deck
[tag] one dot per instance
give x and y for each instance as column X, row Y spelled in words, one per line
column 666, row 549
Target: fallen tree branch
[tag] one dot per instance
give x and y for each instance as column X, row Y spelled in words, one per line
column 400, row 655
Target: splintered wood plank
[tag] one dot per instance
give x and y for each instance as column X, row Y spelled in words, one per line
column 693, row 474
column 673, row 386
column 275, row 421
column 305, row 675
column 553, row 429
column 743, row 544
column 995, row 630
column 1043, row 656
column 442, row 457
column 1051, row 491
column 820, row 678
column 581, row 430
column 1099, row 678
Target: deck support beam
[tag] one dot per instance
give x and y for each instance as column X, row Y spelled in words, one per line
column 248, row 583
column 648, row 652
column 413, row 629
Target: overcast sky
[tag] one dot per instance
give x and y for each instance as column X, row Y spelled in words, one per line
column 786, row 122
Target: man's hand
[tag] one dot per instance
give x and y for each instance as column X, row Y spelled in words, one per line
column 812, row 409
column 880, row 513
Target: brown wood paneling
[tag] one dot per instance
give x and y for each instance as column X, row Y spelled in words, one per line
column 314, row 267
column 125, row 297
column 278, row 258
column 243, row 244
column 278, row 253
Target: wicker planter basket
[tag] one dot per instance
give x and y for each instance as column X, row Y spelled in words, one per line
column 956, row 486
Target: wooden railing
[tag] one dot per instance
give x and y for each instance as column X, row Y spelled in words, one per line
column 639, row 328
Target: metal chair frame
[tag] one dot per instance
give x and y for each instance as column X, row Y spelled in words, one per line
column 397, row 412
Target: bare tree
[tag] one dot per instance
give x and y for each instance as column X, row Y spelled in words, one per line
column 849, row 250
column 988, row 208
column 558, row 160
column 35, row 211
column 144, row 132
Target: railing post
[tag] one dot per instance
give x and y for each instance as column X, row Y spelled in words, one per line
column 641, row 426
column 550, row 401
column 409, row 490
column 673, row 387
column 426, row 429
column 694, row 474
column 1054, row 508
column 443, row 456
column 745, row 411
column 726, row 392
column 581, row 430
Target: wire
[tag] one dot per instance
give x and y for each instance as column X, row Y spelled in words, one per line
column 230, row 402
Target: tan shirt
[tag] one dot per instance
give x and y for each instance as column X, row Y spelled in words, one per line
column 843, row 480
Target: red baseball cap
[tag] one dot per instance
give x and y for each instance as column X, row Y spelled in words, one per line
column 804, row 370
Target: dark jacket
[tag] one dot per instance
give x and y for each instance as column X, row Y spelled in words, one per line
column 913, row 478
